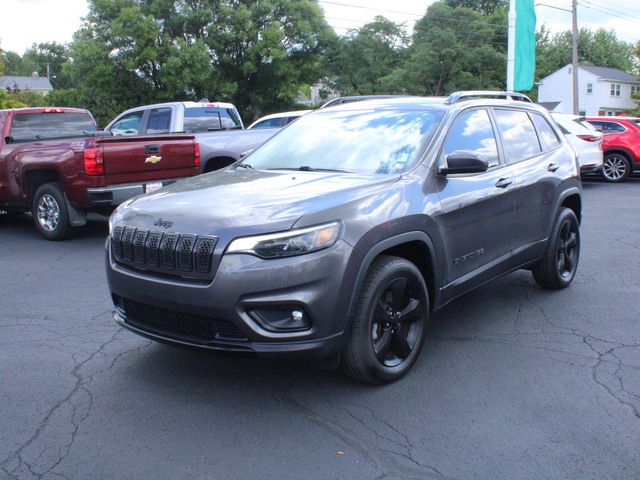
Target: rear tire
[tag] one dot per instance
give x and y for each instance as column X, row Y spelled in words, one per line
column 50, row 213
column 558, row 266
column 390, row 322
column 616, row 167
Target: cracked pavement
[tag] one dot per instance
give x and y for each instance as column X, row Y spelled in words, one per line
column 514, row 382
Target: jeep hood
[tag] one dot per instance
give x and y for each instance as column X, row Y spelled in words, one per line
column 239, row 202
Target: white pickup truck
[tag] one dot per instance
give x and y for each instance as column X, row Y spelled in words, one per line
column 216, row 125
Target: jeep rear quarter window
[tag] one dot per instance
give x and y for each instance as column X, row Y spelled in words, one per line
column 204, row 119
column 29, row 127
column 548, row 137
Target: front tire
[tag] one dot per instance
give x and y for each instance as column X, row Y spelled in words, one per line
column 50, row 212
column 558, row 266
column 616, row 167
column 390, row 322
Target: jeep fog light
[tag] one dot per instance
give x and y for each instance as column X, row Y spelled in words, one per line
column 286, row 244
column 281, row 318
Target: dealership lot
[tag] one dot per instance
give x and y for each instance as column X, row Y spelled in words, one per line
column 514, row 382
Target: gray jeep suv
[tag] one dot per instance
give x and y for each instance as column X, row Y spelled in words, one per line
column 340, row 235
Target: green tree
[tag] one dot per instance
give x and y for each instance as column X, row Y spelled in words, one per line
column 487, row 7
column 454, row 48
column 359, row 62
column 8, row 100
column 254, row 53
column 49, row 55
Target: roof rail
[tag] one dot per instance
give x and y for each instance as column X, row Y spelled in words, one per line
column 471, row 94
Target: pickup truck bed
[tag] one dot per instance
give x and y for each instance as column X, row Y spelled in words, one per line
column 60, row 179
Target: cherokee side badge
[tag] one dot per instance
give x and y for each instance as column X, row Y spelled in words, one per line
column 152, row 159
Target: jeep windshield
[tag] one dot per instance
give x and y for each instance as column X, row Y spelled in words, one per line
column 364, row 142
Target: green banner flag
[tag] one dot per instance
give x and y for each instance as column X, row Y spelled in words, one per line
column 525, row 51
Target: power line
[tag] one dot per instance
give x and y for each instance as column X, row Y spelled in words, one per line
column 612, row 9
column 607, row 11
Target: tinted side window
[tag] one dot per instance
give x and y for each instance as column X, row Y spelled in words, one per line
column 202, row 119
column 128, row 125
column 612, row 127
column 159, row 120
column 472, row 132
column 547, row 136
column 270, row 123
column 519, row 138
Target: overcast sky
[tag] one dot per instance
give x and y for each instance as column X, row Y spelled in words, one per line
column 24, row 22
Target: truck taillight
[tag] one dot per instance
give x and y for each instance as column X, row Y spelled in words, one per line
column 52, row 110
column 93, row 161
column 196, row 151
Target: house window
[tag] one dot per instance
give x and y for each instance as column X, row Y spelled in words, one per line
column 615, row 89
column 589, row 87
column 635, row 89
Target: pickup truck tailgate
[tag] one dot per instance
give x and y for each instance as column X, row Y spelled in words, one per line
column 147, row 154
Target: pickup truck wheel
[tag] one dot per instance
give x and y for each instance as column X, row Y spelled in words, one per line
column 390, row 322
column 558, row 266
column 616, row 167
column 50, row 212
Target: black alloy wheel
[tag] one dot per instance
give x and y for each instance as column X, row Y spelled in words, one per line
column 390, row 323
column 558, row 266
column 396, row 325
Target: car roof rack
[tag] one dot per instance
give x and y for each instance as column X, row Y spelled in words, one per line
column 472, row 94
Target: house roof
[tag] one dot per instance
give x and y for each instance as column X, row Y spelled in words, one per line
column 24, row 83
column 610, row 73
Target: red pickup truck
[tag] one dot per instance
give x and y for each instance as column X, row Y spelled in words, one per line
column 54, row 163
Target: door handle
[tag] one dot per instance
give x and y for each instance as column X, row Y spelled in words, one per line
column 504, row 182
column 553, row 166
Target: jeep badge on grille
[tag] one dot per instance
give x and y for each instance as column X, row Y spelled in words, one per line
column 163, row 223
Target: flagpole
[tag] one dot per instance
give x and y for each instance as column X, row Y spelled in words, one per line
column 511, row 49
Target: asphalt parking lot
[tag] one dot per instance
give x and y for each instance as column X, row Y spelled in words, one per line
column 515, row 382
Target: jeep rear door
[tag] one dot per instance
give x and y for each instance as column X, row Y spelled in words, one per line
column 533, row 150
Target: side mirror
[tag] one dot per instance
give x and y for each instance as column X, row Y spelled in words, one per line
column 462, row 161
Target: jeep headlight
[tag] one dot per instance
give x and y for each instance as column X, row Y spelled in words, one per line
column 286, row 244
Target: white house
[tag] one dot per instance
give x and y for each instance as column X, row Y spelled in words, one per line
column 601, row 90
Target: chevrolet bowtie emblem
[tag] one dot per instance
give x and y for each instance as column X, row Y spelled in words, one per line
column 152, row 159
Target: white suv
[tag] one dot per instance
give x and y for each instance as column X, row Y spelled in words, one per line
column 585, row 139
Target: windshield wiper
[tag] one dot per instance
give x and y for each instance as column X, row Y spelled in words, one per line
column 243, row 165
column 308, row 168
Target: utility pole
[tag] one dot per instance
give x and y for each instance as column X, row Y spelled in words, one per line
column 574, row 55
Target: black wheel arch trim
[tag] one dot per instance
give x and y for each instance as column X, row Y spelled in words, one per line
column 394, row 241
column 566, row 193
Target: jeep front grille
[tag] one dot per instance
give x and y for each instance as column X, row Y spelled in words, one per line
column 183, row 255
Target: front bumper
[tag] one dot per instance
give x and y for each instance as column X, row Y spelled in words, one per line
column 222, row 312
